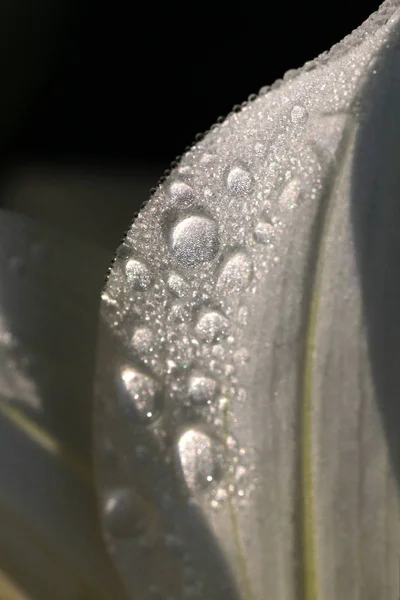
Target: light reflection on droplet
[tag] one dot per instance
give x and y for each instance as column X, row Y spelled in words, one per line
column 194, row 240
column 201, row 458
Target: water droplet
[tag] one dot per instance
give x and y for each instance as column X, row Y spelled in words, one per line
column 236, row 274
column 143, row 340
column 194, row 240
column 241, row 356
column 181, row 192
column 138, row 274
column 212, row 326
column 260, row 149
column 201, row 458
column 326, row 134
column 124, row 512
column 202, row 390
column 239, row 181
column 138, row 393
column 179, row 313
column 207, row 159
column 299, row 115
column 177, row 285
column 220, row 498
column 290, row 195
column 243, row 315
column 263, row 232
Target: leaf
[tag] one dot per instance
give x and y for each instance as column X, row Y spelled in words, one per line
column 50, row 543
column 247, row 422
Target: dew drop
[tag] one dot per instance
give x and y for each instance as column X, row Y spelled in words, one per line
column 194, row 240
column 124, row 512
column 177, row 285
column 243, row 315
column 179, row 313
column 138, row 274
column 290, row 195
column 138, row 394
column 239, row 181
column 220, row 498
column 241, row 356
column 299, row 115
column 259, row 149
column 202, row 390
column 212, row 326
column 201, row 458
column 181, row 192
column 143, row 340
column 263, row 232
column 236, row 274
column 207, row 159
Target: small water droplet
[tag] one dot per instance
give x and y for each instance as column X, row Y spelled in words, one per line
column 202, row 390
column 201, row 458
column 179, row 313
column 220, row 498
column 299, row 115
column 143, row 340
column 290, row 195
column 207, row 159
column 194, row 240
column 177, row 285
column 138, row 393
column 236, row 274
column 138, row 274
column 241, row 356
column 263, row 232
column 243, row 315
column 181, row 192
column 259, row 149
column 124, row 512
column 239, row 181
column 212, row 326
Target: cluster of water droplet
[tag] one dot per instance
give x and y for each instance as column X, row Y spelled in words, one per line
column 179, row 293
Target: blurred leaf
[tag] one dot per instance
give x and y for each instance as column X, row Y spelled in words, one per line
column 50, row 543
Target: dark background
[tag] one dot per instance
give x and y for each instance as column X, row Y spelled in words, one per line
column 97, row 98
column 126, row 82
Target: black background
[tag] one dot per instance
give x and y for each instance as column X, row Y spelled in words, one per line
column 127, row 83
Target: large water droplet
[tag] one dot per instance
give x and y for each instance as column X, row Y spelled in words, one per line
column 194, row 240
column 202, row 390
column 181, row 192
column 124, row 513
column 177, row 285
column 236, row 274
column 138, row 394
column 239, row 181
column 138, row 274
column 201, row 458
column 212, row 326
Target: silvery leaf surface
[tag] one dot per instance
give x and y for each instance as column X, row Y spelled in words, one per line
column 247, row 391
